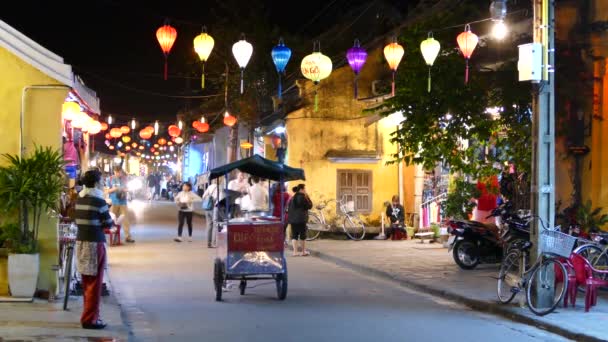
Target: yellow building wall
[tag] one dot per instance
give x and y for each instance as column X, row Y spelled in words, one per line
column 42, row 126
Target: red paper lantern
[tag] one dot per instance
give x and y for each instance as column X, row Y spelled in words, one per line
column 152, row 149
column 104, row 126
column 467, row 41
column 125, row 129
column 115, row 133
column 202, row 127
column 166, row 36
column 195, row 124
column 174, row 131
column 229, row 120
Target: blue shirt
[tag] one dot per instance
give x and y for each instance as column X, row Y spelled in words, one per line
column 116, row 182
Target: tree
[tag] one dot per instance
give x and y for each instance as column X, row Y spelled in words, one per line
column 471, row 127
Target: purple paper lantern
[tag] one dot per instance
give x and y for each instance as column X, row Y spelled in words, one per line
column 356, row 57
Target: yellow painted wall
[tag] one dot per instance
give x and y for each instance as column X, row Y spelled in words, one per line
column 42, row 126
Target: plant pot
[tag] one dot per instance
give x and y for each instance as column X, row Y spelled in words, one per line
column 23, row 272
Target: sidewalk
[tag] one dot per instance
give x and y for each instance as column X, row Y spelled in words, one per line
column 45, row 321
column 430, row 268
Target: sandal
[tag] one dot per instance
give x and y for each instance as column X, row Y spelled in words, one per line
column 305, row 253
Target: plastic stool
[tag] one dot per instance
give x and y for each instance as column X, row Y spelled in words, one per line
column 114, row 236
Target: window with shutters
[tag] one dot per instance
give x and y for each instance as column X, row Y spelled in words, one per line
column 356, row 185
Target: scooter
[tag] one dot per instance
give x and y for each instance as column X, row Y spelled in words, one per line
column 472, row 242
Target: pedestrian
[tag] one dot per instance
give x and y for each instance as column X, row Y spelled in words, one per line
column 117, row 188
column 92, row 215
column 280, row 195
column 239, row 185
column 299, row 206
column 164, row 193
column 151, row 181
column 210, row 201
column 185, row 200
column 157, row 178
column 396, row 215
column 258, row 196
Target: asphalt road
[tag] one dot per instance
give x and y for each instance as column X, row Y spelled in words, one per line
column 167, row 294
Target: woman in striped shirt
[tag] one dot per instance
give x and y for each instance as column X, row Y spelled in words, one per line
column 92, row 216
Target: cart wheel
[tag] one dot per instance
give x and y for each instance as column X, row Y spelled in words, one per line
column 242, row 287
column 281, row 280
column 218, row 278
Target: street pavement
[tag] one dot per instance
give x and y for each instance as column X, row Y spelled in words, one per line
column 166, row 293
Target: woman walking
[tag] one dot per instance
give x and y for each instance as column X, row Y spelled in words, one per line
column 299, row 205
column 92, row 215
column 184, row 200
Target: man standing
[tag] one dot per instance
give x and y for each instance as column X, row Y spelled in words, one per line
column 118, row 195
column 151, row 180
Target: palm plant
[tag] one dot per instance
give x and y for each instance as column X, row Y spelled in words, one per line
column 31, row 185
column 590, row 220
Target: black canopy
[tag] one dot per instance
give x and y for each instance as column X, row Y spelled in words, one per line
column 261, row 167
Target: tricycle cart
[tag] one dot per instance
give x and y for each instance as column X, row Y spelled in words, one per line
column 252, row 248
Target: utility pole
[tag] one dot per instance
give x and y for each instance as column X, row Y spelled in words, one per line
column 543, row 125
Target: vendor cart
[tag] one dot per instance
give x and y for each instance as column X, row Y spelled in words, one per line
column 251, row 248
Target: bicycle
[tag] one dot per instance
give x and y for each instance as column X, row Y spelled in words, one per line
column 596, row 251
column 352, row 225
column 67, row 240
column 544, row 277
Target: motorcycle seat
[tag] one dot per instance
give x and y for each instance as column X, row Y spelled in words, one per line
column 522, row 245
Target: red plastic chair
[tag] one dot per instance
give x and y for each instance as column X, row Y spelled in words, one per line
column 585, row 272
column 114, row 236
column 574, row 280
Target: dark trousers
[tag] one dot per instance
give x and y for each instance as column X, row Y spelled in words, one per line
column 187, row 216
column 394, row 227
column 91, row 289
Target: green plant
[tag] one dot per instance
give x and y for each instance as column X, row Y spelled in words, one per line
column 10, row 237
column 436, row 230
column 458, row 203
column 30, row 185
column 590, row 219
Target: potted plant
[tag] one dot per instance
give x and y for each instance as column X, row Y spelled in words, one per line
column 590, row 219
column 29, row 186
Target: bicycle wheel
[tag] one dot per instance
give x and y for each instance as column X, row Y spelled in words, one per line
column 546, row 286
column 313, row 227
column 509, row 277
column 354, row 228
column 68, row 276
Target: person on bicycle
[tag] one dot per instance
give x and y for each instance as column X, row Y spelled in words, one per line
column 299, row 206
column 396, row 216
column 92, row 215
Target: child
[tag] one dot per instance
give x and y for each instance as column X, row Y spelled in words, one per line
column 184, row 200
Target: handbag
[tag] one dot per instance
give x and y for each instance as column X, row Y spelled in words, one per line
column 208, row 203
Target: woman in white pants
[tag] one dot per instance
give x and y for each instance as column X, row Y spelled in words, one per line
column 211, row 216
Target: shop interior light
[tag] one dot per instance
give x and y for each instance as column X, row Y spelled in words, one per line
column 499, row 30
column 110, row 119
column 180, row 124
column 133, row 124
column 156, row 128
column 279, row 130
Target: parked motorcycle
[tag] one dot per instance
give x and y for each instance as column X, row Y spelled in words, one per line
column 472, row 242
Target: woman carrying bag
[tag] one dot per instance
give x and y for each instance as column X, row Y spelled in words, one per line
column 184, row 200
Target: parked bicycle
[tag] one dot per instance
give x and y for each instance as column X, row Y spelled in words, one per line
column 546, row 278
column 352, row 225
column 596, row 251
column 67, row 269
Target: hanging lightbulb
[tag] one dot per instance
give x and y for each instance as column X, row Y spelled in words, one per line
column 180, row 124
column 203, row 119
column 499, row 30
column 109, row 119
column 133, row 123
column 156, row 128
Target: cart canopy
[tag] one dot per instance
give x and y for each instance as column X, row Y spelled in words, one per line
column 261, row 167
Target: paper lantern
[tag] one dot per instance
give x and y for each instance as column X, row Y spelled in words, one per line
column 430, row 49
column 393, row 53
column 141, row 147
column 152, row 149
column 111, row 147
column 162, row 141
column 179, row 140
column 156, row 145
column 174, row 131
column 203, row 44
column 467, row 41
column 242, row 51
column 115, row 133
column 280, row 56
column 125, row 129
column 108, row 136
column 166, row 36
column 356, row 57
column 149, row 129
column 316, row 67
column 69, row 110
column 156, row 153
column 203, row 127
column 79, row 120
column 169, row 143
column 229, row 120
column 145, row 134
column 95, row 127
column 134, row 145
column 246, row 145
column 128, row 148
column 104, row 126
column 126, row 139
column 276, row 141
column 138, row 154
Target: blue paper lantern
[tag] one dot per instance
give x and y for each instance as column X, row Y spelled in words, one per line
column 280, row 57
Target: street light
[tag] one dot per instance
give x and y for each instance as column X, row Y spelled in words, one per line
column 499, row 30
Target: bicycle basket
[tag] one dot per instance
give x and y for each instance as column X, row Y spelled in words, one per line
column 348, row 207
column 558, row 243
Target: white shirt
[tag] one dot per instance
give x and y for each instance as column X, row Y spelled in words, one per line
column 187, row 198
column 259, row 197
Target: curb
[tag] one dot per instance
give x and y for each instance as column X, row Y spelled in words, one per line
column 477, row 305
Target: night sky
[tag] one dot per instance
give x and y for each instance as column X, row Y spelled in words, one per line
column 112, row 45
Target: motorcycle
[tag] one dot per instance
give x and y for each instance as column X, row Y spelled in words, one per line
column 472, row 242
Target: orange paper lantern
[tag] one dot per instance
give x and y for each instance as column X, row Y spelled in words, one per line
column 144, row 134
column 128, row 148
column 467, row 41
column 174, row 131
column 115, row 133
column 162, row 141
column 141, row 147
column 111, row 147
column 229, row 120
column 393, row 53
column 104, row 126
column 125, row 129
column 166, row 36
column 156, row 145
column 202, row 127
column 108, row 136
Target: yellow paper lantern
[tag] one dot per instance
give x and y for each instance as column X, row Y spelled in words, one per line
column 95, row 127
column 80, row 120
column 126, row 139
column 69, row 110
column 203, row 45
column 430, row 49
column 316, row 67
column 393, row 53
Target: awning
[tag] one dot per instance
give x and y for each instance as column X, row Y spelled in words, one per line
column 261, row 167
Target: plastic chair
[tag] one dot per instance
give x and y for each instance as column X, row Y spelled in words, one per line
column 584, row 270
column 114, row 233
column 574, row 280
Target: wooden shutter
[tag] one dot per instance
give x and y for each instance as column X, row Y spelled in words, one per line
column 356, row 185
